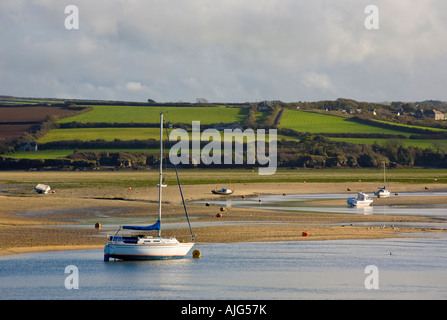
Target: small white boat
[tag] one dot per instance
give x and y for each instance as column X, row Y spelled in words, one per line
column 223, row 191
column 382, row 193
column 362, row 200
column 142, row 247
column 42, row 188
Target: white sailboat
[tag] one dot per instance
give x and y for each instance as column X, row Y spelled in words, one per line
column 383, row 192
column 148, row 247
column 362, row 200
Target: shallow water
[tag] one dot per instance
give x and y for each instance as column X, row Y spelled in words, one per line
column 295, row 202
column 407, row 269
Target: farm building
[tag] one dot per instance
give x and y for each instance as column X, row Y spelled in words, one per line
column 433, row 114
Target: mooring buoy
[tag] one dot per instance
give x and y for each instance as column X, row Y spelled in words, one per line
column 196, row 254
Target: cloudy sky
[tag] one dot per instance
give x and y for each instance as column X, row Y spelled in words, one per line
column 224, row 50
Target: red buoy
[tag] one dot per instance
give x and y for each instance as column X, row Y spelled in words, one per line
column 305, row 234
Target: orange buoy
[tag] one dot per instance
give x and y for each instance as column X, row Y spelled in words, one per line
column 219, row 215
column 305, row 234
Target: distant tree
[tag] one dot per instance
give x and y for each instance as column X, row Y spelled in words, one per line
column 202, row 101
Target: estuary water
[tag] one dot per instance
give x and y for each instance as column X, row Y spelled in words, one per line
column 406, row 268
column 402, row 268
column 303, row 202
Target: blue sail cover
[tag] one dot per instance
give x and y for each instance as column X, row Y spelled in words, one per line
column 155, row 226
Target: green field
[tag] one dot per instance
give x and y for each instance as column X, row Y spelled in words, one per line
column 151, row 114
column 413, row 127
column 302, row 121
column 297, row 120
column 107, row 134
column 423, row 144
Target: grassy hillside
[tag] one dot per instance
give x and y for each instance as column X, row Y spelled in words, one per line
column 116, row 128
column 302, row 121
column 314, row 123
column 107, row 134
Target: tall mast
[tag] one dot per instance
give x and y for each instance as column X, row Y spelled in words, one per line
column 161, row 172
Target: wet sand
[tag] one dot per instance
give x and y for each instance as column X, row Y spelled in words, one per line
column 65, row 220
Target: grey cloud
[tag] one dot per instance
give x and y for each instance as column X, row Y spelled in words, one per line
column 224, row 50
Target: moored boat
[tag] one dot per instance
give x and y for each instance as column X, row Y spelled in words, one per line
column 382, row 193
column 362, row 200
column 143, row 247
column 223, row 191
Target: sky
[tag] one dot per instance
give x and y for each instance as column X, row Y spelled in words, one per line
column 224, row 51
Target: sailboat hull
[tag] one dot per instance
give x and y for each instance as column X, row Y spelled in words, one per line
column 161, row 251
column 382, row 193
column 358, row 203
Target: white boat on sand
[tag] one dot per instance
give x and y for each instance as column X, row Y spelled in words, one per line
column 143, row 247
column 362, row 200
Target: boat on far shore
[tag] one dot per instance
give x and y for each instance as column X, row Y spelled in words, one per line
column 382, row 193
column 362, row 200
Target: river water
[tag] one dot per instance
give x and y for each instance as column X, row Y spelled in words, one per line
column 414, row 268
column 294, row 202
column 405, row 268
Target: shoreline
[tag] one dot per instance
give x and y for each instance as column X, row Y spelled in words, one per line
column 29, row 222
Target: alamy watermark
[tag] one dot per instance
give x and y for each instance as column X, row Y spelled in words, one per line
column 372, row 280
column 72, row 280
column 372, row 20
column 72, row 20
column 188, row 148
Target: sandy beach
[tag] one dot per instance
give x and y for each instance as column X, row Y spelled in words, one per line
column 65, row 220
